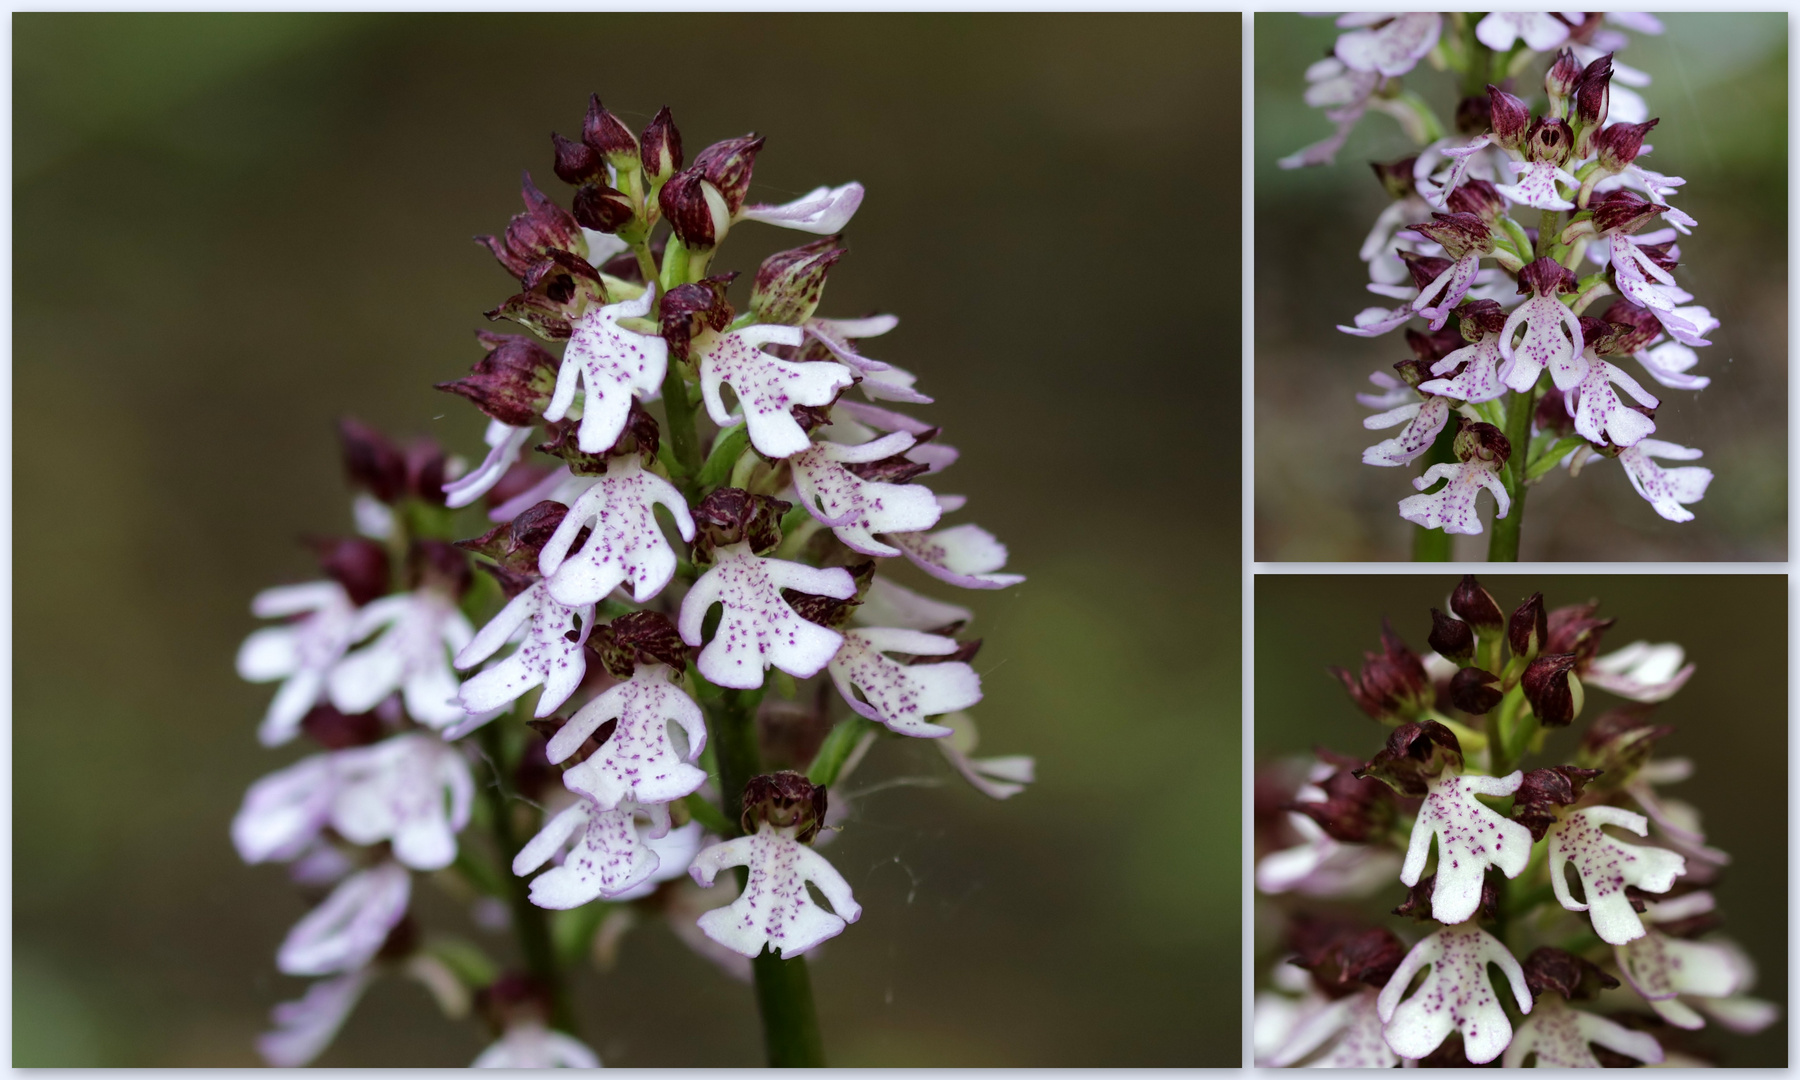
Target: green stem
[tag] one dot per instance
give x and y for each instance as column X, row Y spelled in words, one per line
column 783, row 987
column 1433, row 545
column 684, row 440
column 531, row 922
column 1504, row 547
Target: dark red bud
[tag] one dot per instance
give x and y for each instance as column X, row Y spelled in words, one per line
column 1478, row 318
column 1620, row 144
column 661, row 147
column 608, row 136
column 1430, row 347
column 577, row 163
column 1476, row 441
column 436, row 564
column 515, row 544
column 1477, row 197
column 359, row 565
column 1574, row 629
column 1393, row 685
column 1396, row 177
column 1592, row 92
column 790, row 283
column 1622, row 212
column 335, row 731
column 1620, row 742
column 512, row 383
column 1566, row 974
column 371, row 462
column 602, row 208
column 695, row 209
column 1543, row 791
column 1424, row 269
column 1459, row 233
column 1475, row 691
column 728, row 166
column 1453, row 639
column 1563, row 76
column 1636, row 326
column 692, row 309
column 1528, row 628
column 1475, row 605
column 1414, row 754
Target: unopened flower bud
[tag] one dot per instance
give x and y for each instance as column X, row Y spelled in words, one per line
column 371, row 462
column 1528, row 628
column 1396, row 176
column 1478, row 318
column 438, row 565
column 1476, row 441
column 1393, row 686
column 1415, row 754
column 789, row 283
column 727, row 165
column 512, row 383
column 1475, row 605
column 1593, row 92
column 1560, row 81
column 1453, row 639
column 608, row 135
column 784, row 800
column 1475, row 691
column 1550, row 969
column 577, row 163
column 601, row 208
column 1549, row 140
column 1510, row 118
column 1344, row 958
column 531, row 236
column 1480, row 198
column 1460, row 234
column 1620, row 144
column 1428, row 347
column 1474, row 115
column 660, row 149
column 695, row 209
column 1543, row 791
column 1553, row 689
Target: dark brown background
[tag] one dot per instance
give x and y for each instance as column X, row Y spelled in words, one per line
column 232, row 229
column 1720, row 87
column 1730, row 719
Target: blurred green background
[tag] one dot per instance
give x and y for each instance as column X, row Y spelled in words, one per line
column 1721, row 90
column 231, row 229
column 1730, row 719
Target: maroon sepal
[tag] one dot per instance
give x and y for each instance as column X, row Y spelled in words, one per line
column 1547, row 687
column 360, row 565
column 1509, row 117
column 602, row 208
column 1476, row 441
column 1355, row 810
column 733, row 515
column 692, row 309
column 640, row 637
column 531, row 236
column 1459, row 234
column 728, row 165
column 1393, row 685
column 1592, row 92
column 1563, row 76
column 1344, row 957
column 1575, row 979
column 437, row 564
column 1478, row 318
column 1574, row 629
column 1430, row 347
column 897, row 469
column 698, row 221
column 1414, row 754
column 1620, row 741
column 1543, row 790
column 1546, row 277
column 512, row 383
column 1396, row 177
column 829, row 611
column 515, row 545
column 1424, row 269
column 1477, row 197
column 1622, row 212
column 1636, row 326
column 1620, row 144
column 371, row 461
column 784, row 800
column 1549, row 140
column 335, row 731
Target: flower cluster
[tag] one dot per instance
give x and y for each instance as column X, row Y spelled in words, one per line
column 643, row 584
column 1486, row 241
column 1570, row 879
